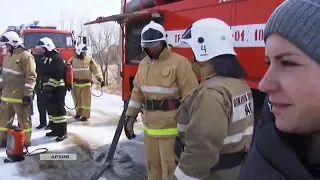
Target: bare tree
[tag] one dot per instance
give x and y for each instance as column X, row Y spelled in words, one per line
column 62, row 22
column 71, row 25
column 102, row 38
column 114, row 58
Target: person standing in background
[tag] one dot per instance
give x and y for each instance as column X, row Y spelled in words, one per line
column 42, row 98
column 83, row 67
column 163, row 78
column 18, row 82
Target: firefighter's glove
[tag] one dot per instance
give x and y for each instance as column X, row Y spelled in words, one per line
column 102, row 84
column 128, row 127
column 47, row 90
column 178, row 149
column 27, row 100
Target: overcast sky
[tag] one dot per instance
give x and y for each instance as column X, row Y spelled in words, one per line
column 17, row 12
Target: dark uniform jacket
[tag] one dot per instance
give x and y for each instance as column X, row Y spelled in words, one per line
column 53, row 73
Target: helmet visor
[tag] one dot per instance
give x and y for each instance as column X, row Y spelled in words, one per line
column 187, row 33
column 40, row 44
column 84, row 50
column 4, row 39
column 152, row 35
column 151, row 44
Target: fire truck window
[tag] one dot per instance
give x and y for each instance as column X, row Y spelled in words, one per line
column 69, row 41
column 60, row 40
column 84, row 40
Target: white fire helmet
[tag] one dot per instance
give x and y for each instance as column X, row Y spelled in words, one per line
column 81, row 48
column 152, row 35
column 208, row 38
column 11, row 38
column 46, row 43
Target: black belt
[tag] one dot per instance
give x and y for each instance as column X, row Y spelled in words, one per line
column 226, row 160
column 162, row 105
column 229, row 160
column 82, row 81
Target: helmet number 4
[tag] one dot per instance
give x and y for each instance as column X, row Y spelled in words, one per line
column 204, row 48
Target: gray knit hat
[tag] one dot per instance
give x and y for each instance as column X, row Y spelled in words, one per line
column 299, row 22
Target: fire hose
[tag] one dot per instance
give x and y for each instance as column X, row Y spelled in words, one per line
column 27, row 153
column 75, row 106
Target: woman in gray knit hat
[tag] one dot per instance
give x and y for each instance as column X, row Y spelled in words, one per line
column 287, row 143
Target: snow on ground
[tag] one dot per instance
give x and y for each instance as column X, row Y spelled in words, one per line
column 88, row 140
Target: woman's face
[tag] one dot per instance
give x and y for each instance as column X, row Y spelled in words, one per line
column 293, row 84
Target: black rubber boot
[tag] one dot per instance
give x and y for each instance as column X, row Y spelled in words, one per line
column 41, row 126
column 83, row 119
column 54, row 131
column 62, row 131
column 77, row 117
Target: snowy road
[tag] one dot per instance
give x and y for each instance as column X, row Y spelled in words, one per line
column 87, row 140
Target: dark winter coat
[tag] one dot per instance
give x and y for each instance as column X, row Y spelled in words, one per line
column 276, row 155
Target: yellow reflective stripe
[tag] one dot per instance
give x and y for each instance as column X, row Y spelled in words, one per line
column 60, row 121
column 27, row 130
column 54, row 83
column 12, row 100
column 82, row 85
column 84, row 107
column 24, row 130
column 58, row 117
column 161, row 132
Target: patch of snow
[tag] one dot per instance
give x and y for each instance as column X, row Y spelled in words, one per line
column 87, row 140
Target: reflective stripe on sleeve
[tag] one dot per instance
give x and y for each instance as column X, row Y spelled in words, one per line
column 134, row 104
column 239, row 136
column 28, row 85
column 11, row 71
column 182, row 127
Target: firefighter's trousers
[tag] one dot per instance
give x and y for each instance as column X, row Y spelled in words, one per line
column 82, row 100
column 160, row 157
column 7, row 113
column 57, row 112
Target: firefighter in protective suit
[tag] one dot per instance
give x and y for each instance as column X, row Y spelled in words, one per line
column 163, row 78
column 215, row 121
column 83, row 67
column 18, row 81
column 52, row 83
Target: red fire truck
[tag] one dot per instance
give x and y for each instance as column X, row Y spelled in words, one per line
column 31, row 34
column 246, row 17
